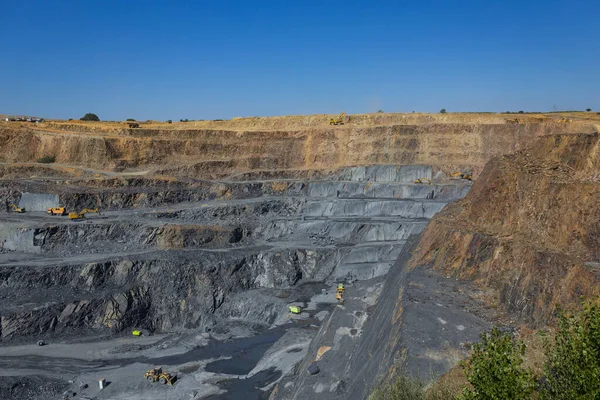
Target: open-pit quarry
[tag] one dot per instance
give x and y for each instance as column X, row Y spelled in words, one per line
column 209, row 231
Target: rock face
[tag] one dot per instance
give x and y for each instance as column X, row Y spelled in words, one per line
column 214, row 154
column 158, row 293
column 236, row 258
column 528, row 229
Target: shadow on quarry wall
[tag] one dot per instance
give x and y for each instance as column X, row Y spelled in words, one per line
column 422, row 323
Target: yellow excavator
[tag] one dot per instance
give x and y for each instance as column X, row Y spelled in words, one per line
column 460, row 175
column 158, row 375
column 81, row 215
column 57, row 211
column 423, row 180
column 17, row 209
column 339, row 120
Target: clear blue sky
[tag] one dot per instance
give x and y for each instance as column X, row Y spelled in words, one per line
column 221, row 59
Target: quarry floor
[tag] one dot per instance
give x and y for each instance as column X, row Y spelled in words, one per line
column 292, row 247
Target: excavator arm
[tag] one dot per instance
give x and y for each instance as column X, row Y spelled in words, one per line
column 81, row 214
column 339, row 120
column 17, row 209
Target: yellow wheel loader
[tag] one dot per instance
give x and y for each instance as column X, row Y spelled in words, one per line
column 423, row 180
column 158, row 375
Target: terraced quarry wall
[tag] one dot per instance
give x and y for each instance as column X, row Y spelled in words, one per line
column 210, row 154
column 208, row 236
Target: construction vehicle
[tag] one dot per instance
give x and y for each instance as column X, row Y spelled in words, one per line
column 564, row 120
column 460, row 175
column 81, row 215
column 423, row 180
column 133, row 124
column 513, row 121
column 158, row 375
column 57, row 211
column 339, row 120
column 339, row 294
column 16, row 209
column 295, row 309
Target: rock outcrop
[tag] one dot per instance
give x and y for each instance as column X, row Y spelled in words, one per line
column 528, row 229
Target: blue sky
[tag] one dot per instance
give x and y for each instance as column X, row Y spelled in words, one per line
column 221, row 59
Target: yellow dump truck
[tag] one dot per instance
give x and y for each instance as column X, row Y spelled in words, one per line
column 57, row 211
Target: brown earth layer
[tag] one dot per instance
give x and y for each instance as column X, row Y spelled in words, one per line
column 214, row 153
column 527, row 229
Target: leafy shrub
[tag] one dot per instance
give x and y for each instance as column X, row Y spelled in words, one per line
column 588, row 109
column 130, row 119
column 90, row 117
column 572, row 366
column 521, row 112
column 46, row 159
column 380, row 111
column 183, row 120
column 443, row 111
column 495, row 369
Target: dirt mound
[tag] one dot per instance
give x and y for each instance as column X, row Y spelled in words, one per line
column 528, row 229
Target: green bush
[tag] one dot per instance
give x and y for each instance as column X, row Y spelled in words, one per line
column 443, row 111
column 380, row 111
column 130, row 119
column 402, row 387
column 90, row 117
column 46, row 159
column 588, row 109
column 495, row 369
column 572, row 367
column 521, row 112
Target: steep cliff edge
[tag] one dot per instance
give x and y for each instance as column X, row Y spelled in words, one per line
column 203, row 153
column 528, row 229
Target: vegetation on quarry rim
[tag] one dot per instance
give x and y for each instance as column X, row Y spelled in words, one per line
column 560, row 363
column 322, row 120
